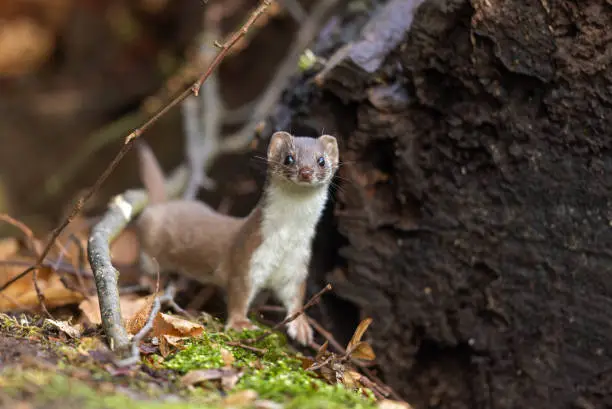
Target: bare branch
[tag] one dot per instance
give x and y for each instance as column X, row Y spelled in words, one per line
column 120, row 212
column 313, row 300
column 308, row 31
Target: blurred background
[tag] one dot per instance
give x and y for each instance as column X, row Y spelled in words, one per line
column 78, row 76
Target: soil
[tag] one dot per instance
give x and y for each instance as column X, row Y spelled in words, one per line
column 16, row 351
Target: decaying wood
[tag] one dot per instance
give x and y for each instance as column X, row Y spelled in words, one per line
column 475, row 220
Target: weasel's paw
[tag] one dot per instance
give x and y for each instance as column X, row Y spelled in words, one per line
column 240, row 324
column 300, row 330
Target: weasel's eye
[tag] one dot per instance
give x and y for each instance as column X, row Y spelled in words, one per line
column 289, row 160
column 321, row 161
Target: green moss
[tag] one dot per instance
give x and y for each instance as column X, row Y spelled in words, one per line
column 277, row 375
column 49, row 390
column 21, row 326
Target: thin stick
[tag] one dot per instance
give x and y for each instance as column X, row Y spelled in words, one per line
column 24, row 229
column 82, row 259
column 327, row 335
column 277, row 85
column 386, row 390
column 129, row 139
column 315, row 299
column 67, row 268
column 39, row 294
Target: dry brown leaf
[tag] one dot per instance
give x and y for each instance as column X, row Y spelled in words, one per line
column 363, row 350
column 130, row 304
column 139, row 319
column 22, row 294
column 351, row 379
column 393, row 404
column 361, row 329
column 322, row 352
column 170, row 343
column 306, row 362
column 73, row 331
column 240, row 399
column 165, row 324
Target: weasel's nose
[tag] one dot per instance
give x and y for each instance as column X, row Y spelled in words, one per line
column 305, row 174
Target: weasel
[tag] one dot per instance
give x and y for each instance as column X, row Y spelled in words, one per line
column 269, row 249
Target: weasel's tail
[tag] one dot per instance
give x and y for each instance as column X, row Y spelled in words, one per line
column 151, row 173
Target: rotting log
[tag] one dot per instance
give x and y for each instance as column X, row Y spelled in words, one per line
column 122, row 209
column 474, row 213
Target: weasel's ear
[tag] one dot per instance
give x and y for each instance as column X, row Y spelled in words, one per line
column 330, row 144
column 278, row 140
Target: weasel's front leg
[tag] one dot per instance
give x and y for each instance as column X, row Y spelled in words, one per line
column 292, row 297
column 240, row 293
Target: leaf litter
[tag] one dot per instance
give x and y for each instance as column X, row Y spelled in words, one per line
column 180, row 357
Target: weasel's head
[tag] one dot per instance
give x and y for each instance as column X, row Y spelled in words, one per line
column 302, row 160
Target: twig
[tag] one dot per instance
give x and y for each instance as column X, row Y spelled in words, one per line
column 315, row 299
column 67, row 268
column 120, row 212
column 155, row 308
column 266, row 102
column 202, row 144
column 386, row 390
column 365, row 381
column 327, row 335
column 82, row 260
column 259, row 351
column 98, row 251
column 39, row 294
column 24, row 229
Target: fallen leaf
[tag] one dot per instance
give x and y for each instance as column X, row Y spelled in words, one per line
column 393, row 404
column 306, row 362
column 322, row 352
column 169, row 343
column 130, row 304
column 22, row 294
column 351, row 379
column 135, row 323
column 363, row 350
column 165, row 324
column 361, row 329
column 240, row 399
column 73, row 331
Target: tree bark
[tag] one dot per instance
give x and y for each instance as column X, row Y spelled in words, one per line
column 474, row 212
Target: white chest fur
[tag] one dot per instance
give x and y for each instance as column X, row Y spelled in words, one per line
column 287, row 229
